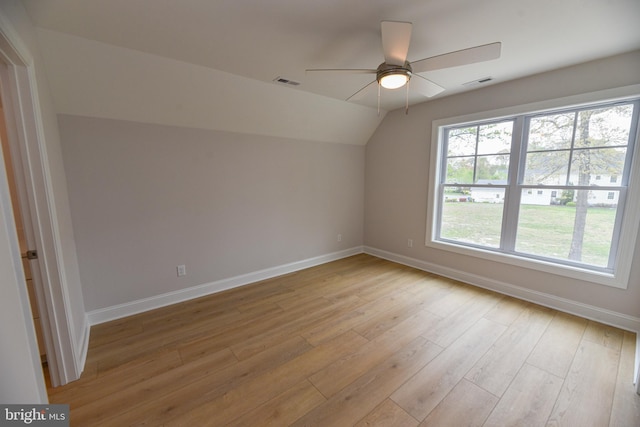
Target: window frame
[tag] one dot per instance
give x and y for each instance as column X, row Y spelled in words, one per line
column 623, row 245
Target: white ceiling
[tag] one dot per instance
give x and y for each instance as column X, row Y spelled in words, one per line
column 263, row 40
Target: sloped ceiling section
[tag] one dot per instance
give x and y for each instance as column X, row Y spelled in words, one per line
column 94, row 79
column 221, row 57
column 261, row 39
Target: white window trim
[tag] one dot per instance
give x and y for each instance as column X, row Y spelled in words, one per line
column 630, row 222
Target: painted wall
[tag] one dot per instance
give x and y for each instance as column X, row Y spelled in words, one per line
column 90, row 78
column 397, row 160
column 146, row 198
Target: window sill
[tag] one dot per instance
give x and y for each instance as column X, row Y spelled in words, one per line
column 597, row 277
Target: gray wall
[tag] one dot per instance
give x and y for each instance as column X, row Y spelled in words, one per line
column 146, row 198
column 397, row 162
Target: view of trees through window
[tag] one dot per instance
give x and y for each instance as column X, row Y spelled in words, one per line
column 547, row 185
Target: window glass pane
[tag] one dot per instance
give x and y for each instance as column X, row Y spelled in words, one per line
column 456, row 194
column 460, row 170
column 599, row 166
column 492, row 169
column 495, row 138
column 551, row 132
column 604, row 127
column 547, row 168
column 577, row 226
column 462, row 141
column 485, row 206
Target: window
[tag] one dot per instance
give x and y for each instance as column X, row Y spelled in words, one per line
column 546, row 189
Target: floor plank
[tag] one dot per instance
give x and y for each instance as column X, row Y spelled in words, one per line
column 382, row 322
column 303, row 322
column 358, row 399
column 469, row 311
column 388, row 414
column 425, row 390
column 344, row 371
column 283, row 409
column 528, row 401
column 626, row 402
column 478, row 406
column 237, row 401
column 587, row 393
column 354, row 318
column 506, row 311
column 173, row 394
column 557, row 347
column 496, row 369
column 605, row 335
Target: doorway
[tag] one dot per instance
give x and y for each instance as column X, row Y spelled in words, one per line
column 26, row 254
column 64, row 323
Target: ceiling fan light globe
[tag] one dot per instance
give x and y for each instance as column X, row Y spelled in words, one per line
column 394, row 81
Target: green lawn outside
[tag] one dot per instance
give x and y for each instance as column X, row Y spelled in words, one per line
column 542, row 230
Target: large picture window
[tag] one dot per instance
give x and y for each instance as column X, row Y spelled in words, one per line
column 548, row 187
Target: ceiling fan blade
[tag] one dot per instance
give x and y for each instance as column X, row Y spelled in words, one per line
column 396, row 37
column 362, row 92
column 424, row 86
column 471, row 55
column 342, row 70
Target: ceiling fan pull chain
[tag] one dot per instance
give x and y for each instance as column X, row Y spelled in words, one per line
column 406, row 106
column 378, row 99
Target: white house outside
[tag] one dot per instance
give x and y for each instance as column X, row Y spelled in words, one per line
column 540, row 196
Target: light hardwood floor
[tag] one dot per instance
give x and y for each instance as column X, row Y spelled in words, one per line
column 356, row 342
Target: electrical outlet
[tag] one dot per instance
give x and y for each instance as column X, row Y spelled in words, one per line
column 182, row 270
column 339, row 237
column 410, row 243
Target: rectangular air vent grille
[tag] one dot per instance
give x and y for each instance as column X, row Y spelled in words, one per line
column 284, row 81
column 478, row 82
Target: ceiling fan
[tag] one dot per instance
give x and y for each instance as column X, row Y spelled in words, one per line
column 395, row 72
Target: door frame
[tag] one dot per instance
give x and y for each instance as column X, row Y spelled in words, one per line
column 25, row 132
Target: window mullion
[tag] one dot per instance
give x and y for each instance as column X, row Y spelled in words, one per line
column 572, row 149
column 475, row 156
column 622, row 197
column 512, row 191
column 613, row 254
column 441, row 186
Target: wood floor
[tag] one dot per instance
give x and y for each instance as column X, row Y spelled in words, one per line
column 356, row 342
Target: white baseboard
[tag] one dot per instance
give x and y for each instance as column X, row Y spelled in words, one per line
column 608, row 317
column 81, row 356
column 127, row 309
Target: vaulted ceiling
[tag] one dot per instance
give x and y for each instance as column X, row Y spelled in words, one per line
column 263, row 40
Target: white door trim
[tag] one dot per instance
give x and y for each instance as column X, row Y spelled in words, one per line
column 26, row 137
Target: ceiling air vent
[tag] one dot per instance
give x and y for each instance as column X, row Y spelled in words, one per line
column 478, row 82
column 284, row 81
